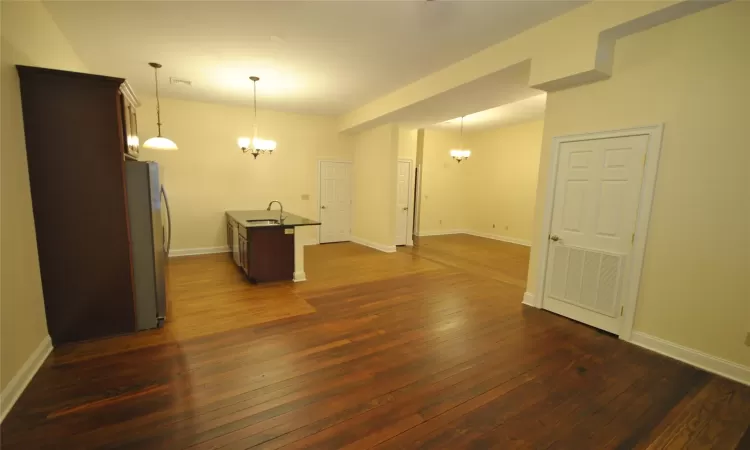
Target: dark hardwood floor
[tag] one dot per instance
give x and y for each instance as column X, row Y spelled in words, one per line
column 427, row 347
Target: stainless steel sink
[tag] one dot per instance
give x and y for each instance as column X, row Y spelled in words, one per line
column 260, row 222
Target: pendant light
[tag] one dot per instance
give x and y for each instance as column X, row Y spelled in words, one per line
column 159, row 142
column 256, row 145
column 459, row 154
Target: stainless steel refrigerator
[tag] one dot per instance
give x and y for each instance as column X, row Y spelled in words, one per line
column 149, row 241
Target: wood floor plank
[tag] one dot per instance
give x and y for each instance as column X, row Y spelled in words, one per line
column 426, row 347
column 702, row 423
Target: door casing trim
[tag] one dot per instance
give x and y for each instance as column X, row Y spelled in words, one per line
column 645, row 201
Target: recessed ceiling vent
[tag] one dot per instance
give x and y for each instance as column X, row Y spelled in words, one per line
column 173, row 80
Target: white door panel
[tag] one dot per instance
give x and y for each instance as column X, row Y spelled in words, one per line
column 335, row 201
column 594, row 215
column 402, row 201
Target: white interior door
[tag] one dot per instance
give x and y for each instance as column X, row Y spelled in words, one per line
column 335, row 201
column 594, row 215
column 402, row 201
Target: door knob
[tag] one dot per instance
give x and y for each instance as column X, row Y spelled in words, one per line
column 322, row 206
column 406, row 208
column 555, row 237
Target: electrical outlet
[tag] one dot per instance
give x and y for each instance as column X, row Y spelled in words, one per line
column 506, row 227
column 747, row 339
column 493, row 225
column 441, row 222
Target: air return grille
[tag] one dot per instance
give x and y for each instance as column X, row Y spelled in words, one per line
column 587, row 278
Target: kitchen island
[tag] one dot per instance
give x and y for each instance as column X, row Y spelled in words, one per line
column 264, row 244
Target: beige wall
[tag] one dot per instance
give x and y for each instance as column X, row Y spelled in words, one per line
column 375, row 163
column 692, row 75
column 29, row 37
column 443, row 205
column 407, row 144
column 496, row 185
column 209, row 174
column 501, row 178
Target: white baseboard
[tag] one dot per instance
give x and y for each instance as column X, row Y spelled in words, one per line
column 709, row 363
column 439, row 232
column 21, row 379
column 197, row 251
column 375, row 245
column 529, row 300
column 212, row 250
column 498, row 237
column 299, row 276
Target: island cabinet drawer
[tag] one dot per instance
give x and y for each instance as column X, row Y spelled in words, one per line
column 270, row 253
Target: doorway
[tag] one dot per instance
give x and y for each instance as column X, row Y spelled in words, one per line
column 403, row 204
column 596, row 215
column 335, row 201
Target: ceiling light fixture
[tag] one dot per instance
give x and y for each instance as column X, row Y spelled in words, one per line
column 459, row 154
column 159, row 142
column 256, row 145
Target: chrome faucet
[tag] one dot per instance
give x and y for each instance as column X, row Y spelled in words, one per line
column 281, row 212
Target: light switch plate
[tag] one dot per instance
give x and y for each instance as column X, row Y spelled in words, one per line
column 305, row 196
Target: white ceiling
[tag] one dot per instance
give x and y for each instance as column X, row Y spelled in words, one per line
column 312, row 57
column 525, row 110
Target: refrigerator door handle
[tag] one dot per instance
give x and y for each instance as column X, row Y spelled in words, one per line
column 169, row 221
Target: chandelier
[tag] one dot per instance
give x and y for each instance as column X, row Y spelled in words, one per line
column 459, row 154
column 256, row 145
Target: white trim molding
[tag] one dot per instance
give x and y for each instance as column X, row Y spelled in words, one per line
column 299, row 276
column 212, row 250
column 439, row 232
column 22, row 378
column 375, row 245
column 499, row 237
column 709, row 363
column 496, row 237
column 529, row 300
column 198, row 251
column 648, row 184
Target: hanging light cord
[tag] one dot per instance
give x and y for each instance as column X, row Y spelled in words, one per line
column 255, row 110
column 158, row 106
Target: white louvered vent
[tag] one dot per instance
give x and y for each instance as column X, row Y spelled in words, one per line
column 587, row 278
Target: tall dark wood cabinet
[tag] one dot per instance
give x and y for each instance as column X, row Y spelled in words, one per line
column 75, row 142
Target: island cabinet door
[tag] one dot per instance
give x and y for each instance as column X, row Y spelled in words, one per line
column 271, row 255
column 230, row 236
column 243, row 247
